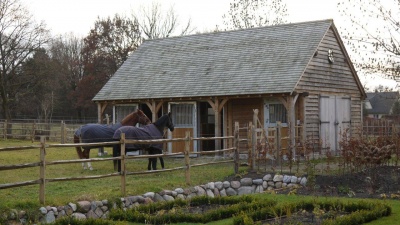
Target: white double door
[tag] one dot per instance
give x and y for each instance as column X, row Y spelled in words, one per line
column 335, row 118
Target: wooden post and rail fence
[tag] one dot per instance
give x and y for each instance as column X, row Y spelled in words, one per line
column 258, row 146
column 186, row 152
column 262, row 146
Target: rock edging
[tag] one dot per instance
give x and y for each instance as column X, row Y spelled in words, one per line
column 100, row 209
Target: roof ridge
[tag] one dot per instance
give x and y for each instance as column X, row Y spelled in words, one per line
column 241, row 30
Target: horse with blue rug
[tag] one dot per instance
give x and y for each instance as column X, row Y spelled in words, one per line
column 95, row 133
column 147, row 132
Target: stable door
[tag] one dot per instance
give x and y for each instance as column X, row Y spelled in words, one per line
column 184, row 119
column 335, row 113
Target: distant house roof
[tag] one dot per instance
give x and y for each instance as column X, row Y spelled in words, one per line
column 381, row 102
column 252, row 61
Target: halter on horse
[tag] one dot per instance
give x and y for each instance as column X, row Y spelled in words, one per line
column 151, row 131
column 94, row 133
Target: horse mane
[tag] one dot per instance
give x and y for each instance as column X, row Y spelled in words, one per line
column 162, row 120
column 129, row 119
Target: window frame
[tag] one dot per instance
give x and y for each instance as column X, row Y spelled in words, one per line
column 119, row 106
column 267, row 115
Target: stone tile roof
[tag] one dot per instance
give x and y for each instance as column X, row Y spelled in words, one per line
column 382, row 102
column 251, row 61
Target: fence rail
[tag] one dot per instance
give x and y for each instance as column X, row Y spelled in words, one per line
column 260, row 146
column 58, row 132
column 380, row 127
column 123, row 158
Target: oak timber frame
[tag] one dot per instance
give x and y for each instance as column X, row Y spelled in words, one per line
column 219, row 106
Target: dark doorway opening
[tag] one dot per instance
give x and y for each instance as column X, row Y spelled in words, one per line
column 207, row 126
column 146, row 110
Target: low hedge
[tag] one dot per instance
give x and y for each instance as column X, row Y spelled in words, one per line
column 244, row 210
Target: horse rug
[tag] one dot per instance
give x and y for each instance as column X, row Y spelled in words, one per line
column 147, row 132
column 95, row 132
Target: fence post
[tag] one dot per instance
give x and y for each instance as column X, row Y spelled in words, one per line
column 187, row 159
column 5, row 129
column 236, row 146
column 279, row 143
column 249, row 144
column 42, row 186
column 33, row 131
column 254, row 139
column 62, row 132
column 123, row 170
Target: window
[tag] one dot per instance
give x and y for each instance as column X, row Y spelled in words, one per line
column 210, row 116
column 121, row 111
column 277, row 112
column 183, row 115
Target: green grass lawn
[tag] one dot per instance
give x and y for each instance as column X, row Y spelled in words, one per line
column 61, row 193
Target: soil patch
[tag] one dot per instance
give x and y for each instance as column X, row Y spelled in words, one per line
column 377, row 182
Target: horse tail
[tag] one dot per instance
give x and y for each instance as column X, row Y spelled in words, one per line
column 78, row 148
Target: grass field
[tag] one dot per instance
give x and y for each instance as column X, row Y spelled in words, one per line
column 60, row 193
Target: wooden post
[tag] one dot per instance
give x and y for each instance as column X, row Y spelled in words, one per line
column 225, row 130
column 217, row 106
column 249, row 144
column 187, row 159
column 5, row 129
column 292, row 124
column 62, row 132
column 100, row 109
column 123, row 169
column 236, row 146
column 107, row 119
column 42, row 185
column 217, row 126
column 254, row 140
column 279, row 143
column 154, row 108
column 33, row 132
column 99, row 113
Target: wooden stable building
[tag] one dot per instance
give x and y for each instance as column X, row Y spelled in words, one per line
column 297, row 74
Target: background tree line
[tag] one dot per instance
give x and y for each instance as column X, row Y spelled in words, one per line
column 44, row 77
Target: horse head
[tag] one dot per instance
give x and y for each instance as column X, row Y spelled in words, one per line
column 169, row 124
column 143, row 119
column 165, row 121
column 135, row 117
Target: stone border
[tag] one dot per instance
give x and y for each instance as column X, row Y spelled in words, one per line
column 100, row 209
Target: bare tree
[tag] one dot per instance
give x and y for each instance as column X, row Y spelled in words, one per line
column 65, row 51
column 373, row 35
column 20, row 36
column 255, row 13
column 154, row 23
column 37, row 95
column 104, row 50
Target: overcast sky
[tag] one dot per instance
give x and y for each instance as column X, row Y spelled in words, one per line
column 78, row 16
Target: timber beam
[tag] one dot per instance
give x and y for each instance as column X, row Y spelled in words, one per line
column 154, row 108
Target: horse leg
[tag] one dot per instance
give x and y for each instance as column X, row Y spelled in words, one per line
column 79, row 150
column 154, row 160
column 149, row 164
column 117, row 153
column 161, row 162
column 154, row 163
column 86, row 154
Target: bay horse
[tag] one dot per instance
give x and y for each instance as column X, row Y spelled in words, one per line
column 94, row 133
column 147, row 132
